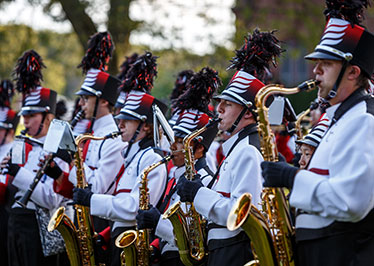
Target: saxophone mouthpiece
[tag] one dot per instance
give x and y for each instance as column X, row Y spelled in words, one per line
column 213, row 122
column 24, row 131
column 113, row 135
column 308, row 85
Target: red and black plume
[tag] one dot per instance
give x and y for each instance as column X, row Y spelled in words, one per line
column 199, row 91
column 141, row 74
column 255, row 55
column 349, row 10
column 125, row 66
column 6, row 93
column 180, row 84
column 99, row 51
column 28, row 71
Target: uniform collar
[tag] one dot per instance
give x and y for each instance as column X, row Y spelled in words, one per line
column 331, row 111
column 103, row 122
column 226, row 146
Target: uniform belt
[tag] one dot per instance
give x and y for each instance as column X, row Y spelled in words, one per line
column 214, row 226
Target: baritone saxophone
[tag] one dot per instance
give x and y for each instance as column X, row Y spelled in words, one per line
column 270, row 229
column 79, row 241
column 135, row 243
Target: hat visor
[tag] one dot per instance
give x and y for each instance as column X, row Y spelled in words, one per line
column 306, row 141
column 125, row 116
column 84, row 92
column 226, row 98
column 179, row 134
column 29, row 112
column 322, row 55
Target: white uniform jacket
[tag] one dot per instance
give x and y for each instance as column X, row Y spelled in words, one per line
column 339, row 182
column 4, row 179
column 240, row 172
column 43, row 194
column 103, row 159
column 164, row 229
column 122, row 207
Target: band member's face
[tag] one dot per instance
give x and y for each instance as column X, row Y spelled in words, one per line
column 32, row 123
column 128, row 128
column 228, row 111
column 326, row 72
column 87, row 104
column 178, row 152
column 306, row 153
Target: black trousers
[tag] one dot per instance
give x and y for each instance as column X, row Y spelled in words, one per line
column 234, row 251
column 3, row 235
column 171, row 258
column 350, row 249
column 24, row 246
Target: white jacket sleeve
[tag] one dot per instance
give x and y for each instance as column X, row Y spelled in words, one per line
column 346, row 193
column 245, row 174
column 43, row 194
column 124, row 206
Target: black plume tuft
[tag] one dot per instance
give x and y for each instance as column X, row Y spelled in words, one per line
column 180, row 84
column 349, row 10
column 28, row 71
column 125, row 66
column 255, row 55
column 6, row 93
column 199, row 91
column 61, row 109
column 99, row 51
column 141, row 74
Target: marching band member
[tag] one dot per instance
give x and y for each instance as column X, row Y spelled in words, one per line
column 8, row 124
column 335, row 192
column 29, row 242
column 193, row 114
column 136, row 124
column 240, row 170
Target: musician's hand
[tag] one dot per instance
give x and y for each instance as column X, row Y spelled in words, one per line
column 148, row 219
column 187, row 190
column 279, row 174
column 9, row 168
column 82, row 196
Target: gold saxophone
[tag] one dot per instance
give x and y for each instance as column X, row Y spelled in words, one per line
column 299, row 129
column 189, row 227
column 78, row 241
column 270, row 230
column 135, row 243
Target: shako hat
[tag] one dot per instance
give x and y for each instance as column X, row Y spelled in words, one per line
column 251, row 61
column 344, row 38
column 94, row 64
column 193, row 106
column 28, row 76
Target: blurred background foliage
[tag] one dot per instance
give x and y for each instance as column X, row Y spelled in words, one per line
column 299, row 24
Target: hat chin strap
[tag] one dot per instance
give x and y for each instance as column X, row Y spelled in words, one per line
column 234, row 126
column 94, row 114
column 41, row 124
column 133, row 138
column 333, row 91
column 6, row 134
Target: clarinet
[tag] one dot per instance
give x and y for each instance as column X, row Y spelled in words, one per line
column 26, row 197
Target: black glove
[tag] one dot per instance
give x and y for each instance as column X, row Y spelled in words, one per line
column 279, row 174
column 64, row 155
column 148, row 219
column 82, row 196
column 187, row 190
column 53, row 170
column 11, row 169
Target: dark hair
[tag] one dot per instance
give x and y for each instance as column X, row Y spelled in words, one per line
column 363, row 80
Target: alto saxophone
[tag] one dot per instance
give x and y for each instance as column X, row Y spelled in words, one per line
column 78, row 241
column 270, row 230
column 299, row 129
column 135, row 244
column 189, row 227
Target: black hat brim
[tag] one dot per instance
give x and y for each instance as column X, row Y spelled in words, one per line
column 226, row 98
column 322, row 55
column 124, row 116
column 84, row 92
